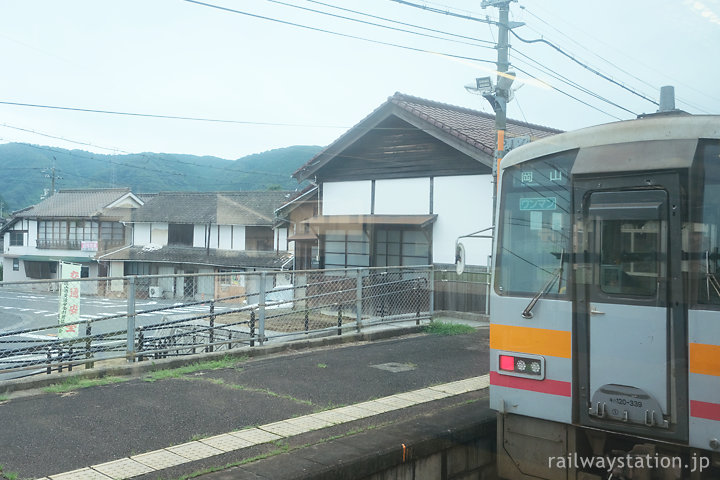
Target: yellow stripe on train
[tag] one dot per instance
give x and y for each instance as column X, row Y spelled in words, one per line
column 704, row 359
column 540, row 341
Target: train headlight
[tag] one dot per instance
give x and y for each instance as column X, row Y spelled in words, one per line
column 521, row 365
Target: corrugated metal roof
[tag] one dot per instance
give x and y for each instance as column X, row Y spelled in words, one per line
column 224, row 208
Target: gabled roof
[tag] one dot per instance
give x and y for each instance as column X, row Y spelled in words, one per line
column 81, row 203
column 223, row 208
column 306, row 194
column 470, row 131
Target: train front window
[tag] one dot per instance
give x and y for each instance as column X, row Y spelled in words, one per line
column 535, row 230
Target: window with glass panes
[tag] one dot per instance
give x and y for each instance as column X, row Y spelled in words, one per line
column 395, row 247
column 112, row 232
column 347, row 249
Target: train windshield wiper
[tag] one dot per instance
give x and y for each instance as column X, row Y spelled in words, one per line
column 557, row 275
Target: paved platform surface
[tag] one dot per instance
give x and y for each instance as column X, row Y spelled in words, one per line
column 166, row 425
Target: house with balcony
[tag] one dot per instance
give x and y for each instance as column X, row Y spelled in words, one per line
column 179, row 234
column 70, row 226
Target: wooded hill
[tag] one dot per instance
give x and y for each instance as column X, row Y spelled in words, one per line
column 28, row 171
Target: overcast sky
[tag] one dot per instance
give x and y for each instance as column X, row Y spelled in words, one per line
column 298, row 86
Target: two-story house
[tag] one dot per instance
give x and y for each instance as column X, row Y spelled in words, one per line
column 402, row 185
column 71, row 226
column 181, row 233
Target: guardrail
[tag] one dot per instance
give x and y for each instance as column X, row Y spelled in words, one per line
column 135, row 318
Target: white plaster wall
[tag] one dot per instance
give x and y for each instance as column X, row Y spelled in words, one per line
column 281, row 243
column 403, row 196
column 463, row 205
column 167, row 284
column 9, row 275
column 346, row 198
column 117, row 269
column 32, row 235
column 159, row 234
column 199, row 236
column 29, row 246
column 225, row 237
column 141, row 234
column 213, row 236
column 238, row 233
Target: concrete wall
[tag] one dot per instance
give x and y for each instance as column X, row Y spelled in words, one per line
column 474, row 461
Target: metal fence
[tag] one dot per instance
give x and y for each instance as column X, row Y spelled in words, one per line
column 467, row 292
column 135, row 318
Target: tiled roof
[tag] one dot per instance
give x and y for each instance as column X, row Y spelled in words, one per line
column 472, row 127
column 225, row 208
column 201, row 256
column 82, row 203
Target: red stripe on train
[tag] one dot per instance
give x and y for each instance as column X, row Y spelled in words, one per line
column 552, row 387
column 707, row 410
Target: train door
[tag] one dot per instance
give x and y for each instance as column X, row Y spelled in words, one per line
column 630, row 325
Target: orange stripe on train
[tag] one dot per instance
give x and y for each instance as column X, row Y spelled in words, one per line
column 540, row 341
column 704, row 359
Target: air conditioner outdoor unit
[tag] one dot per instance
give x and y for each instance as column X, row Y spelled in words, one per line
column 155, row 292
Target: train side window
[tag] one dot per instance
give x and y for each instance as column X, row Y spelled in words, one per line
column 702, row 233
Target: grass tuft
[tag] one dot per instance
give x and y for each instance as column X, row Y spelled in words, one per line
column 225, row 362
column 442, row 328
column 76, row 383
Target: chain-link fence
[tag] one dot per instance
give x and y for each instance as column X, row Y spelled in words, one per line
column 57, row 325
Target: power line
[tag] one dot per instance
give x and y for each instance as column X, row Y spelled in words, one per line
column 492, row 22
column 568, row 95
column 573, row 84
column 278, row 2
column 171, row 117
column 446, row 12
column 585, row 66
column 339, row 34
column 614, row 64
column 402, row 23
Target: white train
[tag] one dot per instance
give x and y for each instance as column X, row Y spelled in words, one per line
column 605, row 311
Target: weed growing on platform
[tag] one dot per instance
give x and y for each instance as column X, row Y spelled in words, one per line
column 76, row 383
column 225, row 362
column 7, row 475
column 441, row 328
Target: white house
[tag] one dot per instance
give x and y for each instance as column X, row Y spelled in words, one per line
column 71, row 226
column 402, row 185
column 182, row 233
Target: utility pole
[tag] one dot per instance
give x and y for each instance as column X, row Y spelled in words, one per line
column 499, row 95
column 50, row 173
